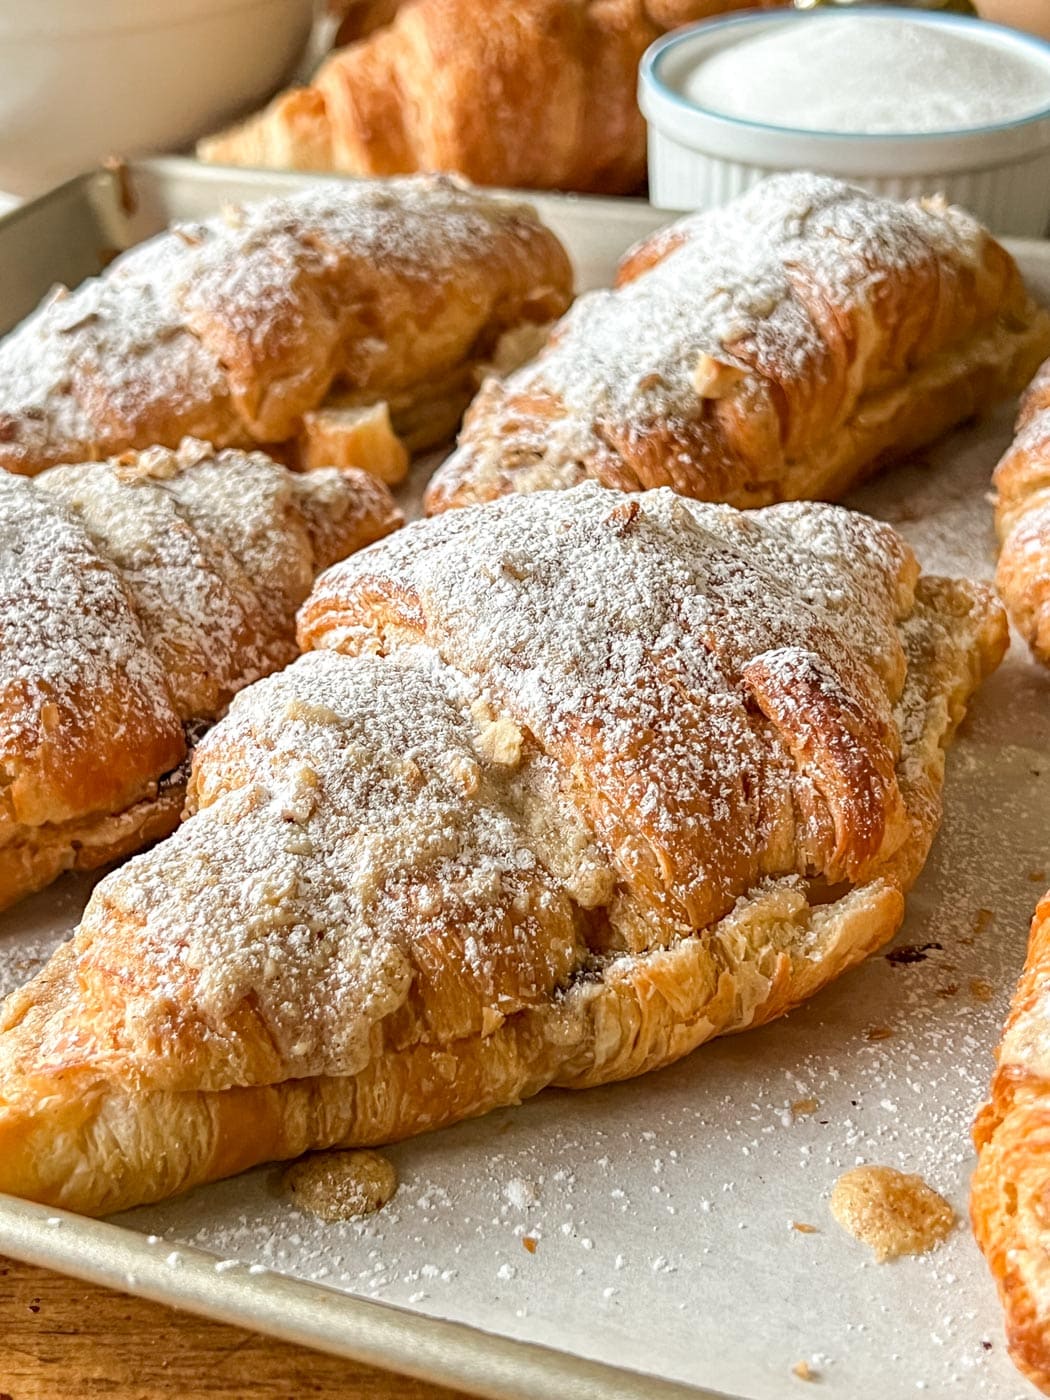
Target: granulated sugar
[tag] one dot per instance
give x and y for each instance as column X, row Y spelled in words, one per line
column 868, row 74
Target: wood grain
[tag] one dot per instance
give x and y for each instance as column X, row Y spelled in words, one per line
column 64, row 1340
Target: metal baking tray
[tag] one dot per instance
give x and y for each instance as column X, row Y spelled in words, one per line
column 666, row 1263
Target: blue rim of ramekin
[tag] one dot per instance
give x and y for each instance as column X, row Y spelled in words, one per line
column 656, row 51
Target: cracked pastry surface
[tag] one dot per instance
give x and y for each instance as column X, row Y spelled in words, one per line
column 137, row 597
column 566, row 786
column 780, row 347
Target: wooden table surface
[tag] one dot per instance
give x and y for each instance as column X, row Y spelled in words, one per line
column 64, row 1340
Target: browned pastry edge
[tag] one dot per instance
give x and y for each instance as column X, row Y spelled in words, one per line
column 1022, row 517
column 89, row 842
column 1010, row 1191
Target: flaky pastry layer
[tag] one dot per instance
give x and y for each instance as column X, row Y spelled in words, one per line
column 1022, row 517
column 782, row 347
column 1010, row 1192
column 467, row 849
column 233, row 329
column 138, row 596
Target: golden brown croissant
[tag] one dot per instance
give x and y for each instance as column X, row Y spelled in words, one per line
column 575, row 782
column 532, row 93
column 1010, row 1193
column 137, row 597
column 280, row 323
column 778, row 348
column 1022, row 516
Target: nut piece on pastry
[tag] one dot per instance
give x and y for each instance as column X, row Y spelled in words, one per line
column 1010, row 1192
column 137, row 597
column 233, row 329
column 571, row 784
column 1022, row 517
column 781, row 347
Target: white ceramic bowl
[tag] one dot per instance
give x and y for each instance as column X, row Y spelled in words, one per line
column 699, row 158
column 84, row 79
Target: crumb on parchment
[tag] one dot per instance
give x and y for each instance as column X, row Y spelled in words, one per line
column 341, row 1185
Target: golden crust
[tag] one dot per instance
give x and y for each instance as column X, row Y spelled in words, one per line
column 233, row 329
column 422, row 879
column 1022, row 517
column 139, row 595
column 1010, row 1192
column 559, row 79
column 779, row 348
column 559, row 109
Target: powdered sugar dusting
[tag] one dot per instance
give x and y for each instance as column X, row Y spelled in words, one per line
column 751, row 281
column 741, row 352
column 230, row 328
column 69, row 632
column 704, row 1165
column 434, row 821
column 138, row 596
column 356, row 808
column 629, row 634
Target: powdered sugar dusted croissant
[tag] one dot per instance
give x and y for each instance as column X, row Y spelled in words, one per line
column 573, row 783
column 1010, row 1194
column 780, row 347
column 280, row 323
column 1022, row 516
column 137, row 597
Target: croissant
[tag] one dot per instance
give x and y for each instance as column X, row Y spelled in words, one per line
column 568, row 785
column 309, row 321
column 780, row 347
column 1010, row 1191
column 137, row 597
column 536, row 94
column 1022, row 515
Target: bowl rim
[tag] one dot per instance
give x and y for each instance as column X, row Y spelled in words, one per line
column 649, row 75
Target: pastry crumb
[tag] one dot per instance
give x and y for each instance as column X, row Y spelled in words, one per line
column 804, row 1108
column 804, row 1371
column 892, row 1212
column 877, row 1033
column 341, row 1185
column 529, row 1242
column 803, row 1228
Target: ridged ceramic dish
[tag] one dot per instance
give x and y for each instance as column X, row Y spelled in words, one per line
column 699, row 157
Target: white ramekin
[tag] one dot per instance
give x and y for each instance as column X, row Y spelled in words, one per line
column 698, row 158
column 84, row 79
